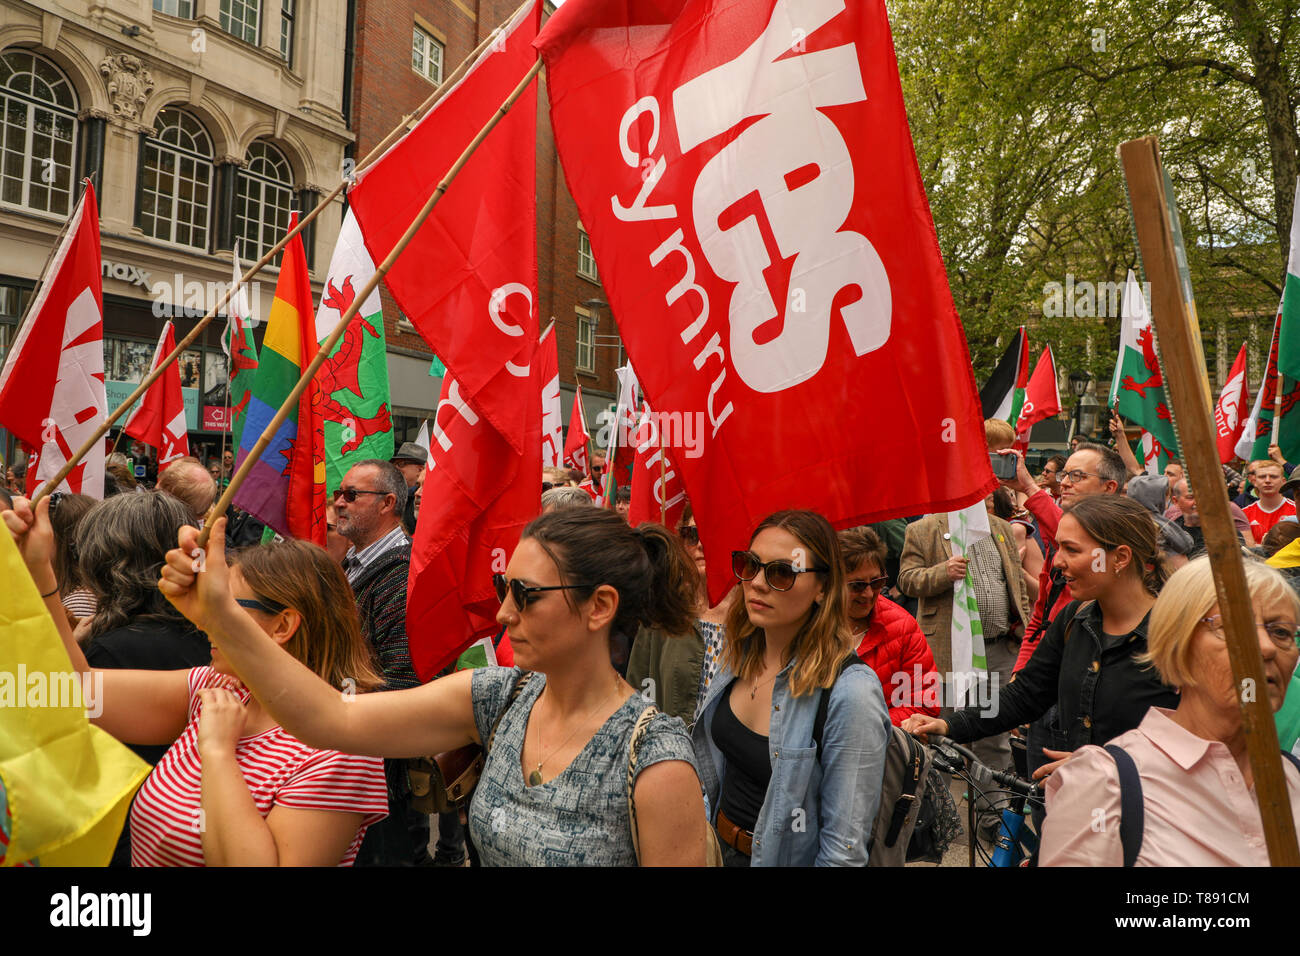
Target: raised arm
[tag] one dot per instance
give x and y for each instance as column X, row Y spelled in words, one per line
column 1122, row 445
column 418, row 722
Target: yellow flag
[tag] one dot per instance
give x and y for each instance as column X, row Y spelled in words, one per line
column 1287, row 557
column 65, row 786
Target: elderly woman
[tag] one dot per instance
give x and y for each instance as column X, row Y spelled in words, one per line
column 1194, row 778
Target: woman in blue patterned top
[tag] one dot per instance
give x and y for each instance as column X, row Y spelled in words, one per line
column 552, row 792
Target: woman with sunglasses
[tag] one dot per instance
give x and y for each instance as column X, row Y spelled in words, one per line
column 677, row 669
column 780, row 794
column 552, row 790
column 234, row 788
column 887, row 638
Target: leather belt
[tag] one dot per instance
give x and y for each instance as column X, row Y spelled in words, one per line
column 739, row 840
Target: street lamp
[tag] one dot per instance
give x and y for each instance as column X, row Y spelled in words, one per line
column 1085, row 406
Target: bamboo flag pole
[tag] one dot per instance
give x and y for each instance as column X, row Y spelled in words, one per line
column 1180, row 341
column 291, row 401
column 393, row 135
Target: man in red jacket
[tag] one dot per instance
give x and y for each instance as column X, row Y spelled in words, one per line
column 890, row 641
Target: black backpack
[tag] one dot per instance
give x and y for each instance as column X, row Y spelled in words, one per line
column 917, row 818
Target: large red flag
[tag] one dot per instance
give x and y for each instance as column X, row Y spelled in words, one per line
column 575, row 445
column 159, row 419
column 1231, row 409
column 548, row 373
column 747, row 177
column 657, row 493
column 52, row 384
column 474, row 258
column 1042, row 398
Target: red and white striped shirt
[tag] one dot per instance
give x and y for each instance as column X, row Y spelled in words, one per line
column 166, row 818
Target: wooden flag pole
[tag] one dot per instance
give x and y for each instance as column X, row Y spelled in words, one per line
column 1184, row 376
column 393, row 135
column 291, row 401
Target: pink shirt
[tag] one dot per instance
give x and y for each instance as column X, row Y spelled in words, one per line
column 1198, row 810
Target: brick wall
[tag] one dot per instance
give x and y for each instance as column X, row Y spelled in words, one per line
column 386, row 89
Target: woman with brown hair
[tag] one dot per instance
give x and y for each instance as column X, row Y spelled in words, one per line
column 782, row 794
column 551, row 791
column 234, row 788
column 66, row 512
column 1089, row 662
column 677, row 669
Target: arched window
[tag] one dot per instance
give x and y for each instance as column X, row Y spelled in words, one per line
column 176, row 181
column 39, row 137
column 264, row 198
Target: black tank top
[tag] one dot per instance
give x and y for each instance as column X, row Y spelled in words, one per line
column 749, row 768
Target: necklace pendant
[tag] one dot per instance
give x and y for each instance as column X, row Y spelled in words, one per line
column 535, row 778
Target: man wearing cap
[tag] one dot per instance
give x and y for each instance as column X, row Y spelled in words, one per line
column 410, row 460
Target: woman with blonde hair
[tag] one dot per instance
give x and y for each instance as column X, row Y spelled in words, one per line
column 234, row 788
column 787, row 660
column 1186, row 768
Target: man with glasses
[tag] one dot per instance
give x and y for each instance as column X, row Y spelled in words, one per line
column 368, row 507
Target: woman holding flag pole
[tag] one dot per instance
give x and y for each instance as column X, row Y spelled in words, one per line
column 552, row 789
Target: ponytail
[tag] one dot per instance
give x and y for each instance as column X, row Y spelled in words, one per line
column 655, row 578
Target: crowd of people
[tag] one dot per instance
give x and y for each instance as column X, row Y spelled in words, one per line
column 629, row 719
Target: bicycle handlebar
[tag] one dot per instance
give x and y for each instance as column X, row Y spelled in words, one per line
column 984, row 774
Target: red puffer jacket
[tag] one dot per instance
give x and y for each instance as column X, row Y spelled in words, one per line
column 894, row 647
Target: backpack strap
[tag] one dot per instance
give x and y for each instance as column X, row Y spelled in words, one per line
column 824, row 702
column 520, row 683
column 633, row 751
column 911, row 782
column 1132, row 814
column 1292, row 757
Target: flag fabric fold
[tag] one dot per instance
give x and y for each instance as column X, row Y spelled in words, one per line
column 1004, row 393
column 657, row 492
column 747, row 178
column 1042, row 398
column 52, row 394
column 286, row 487
column 968, row 657
column 354, row 379
column 578, row 439
column 1137, row 388
column 241, row 352
column 65, row 785
column 159, row 419
column 1228, row 423
column 468, row 282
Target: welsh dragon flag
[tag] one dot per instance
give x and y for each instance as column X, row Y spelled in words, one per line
column 354, row 379
column 1137, row 389
column 1258, row 434
column 241, row 353
column 1288, row 345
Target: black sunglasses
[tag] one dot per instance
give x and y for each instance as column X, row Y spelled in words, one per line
column 350, row 494
column 780, row 575
column 858, row 588
column 265, row 605
column 522, row 593
column 690, row 535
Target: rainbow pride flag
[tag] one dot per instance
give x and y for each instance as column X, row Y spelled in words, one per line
column 286, row 487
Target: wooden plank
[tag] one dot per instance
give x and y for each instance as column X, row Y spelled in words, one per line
column 1184, row 377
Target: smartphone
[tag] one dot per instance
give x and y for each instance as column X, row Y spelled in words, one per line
column 1004, row 466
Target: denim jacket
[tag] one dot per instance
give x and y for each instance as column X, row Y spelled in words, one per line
column 815, row 813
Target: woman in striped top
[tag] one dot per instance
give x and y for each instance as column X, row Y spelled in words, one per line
column 234, row 788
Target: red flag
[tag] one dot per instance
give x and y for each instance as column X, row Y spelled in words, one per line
column 747, row 177
column 475, row 257
column 575, row 446
column 548, row 373
column 1042, row 398
column 657, row 493
column 159, row 419
column 52, row 384
column 1229, row 420
column 479, row 225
